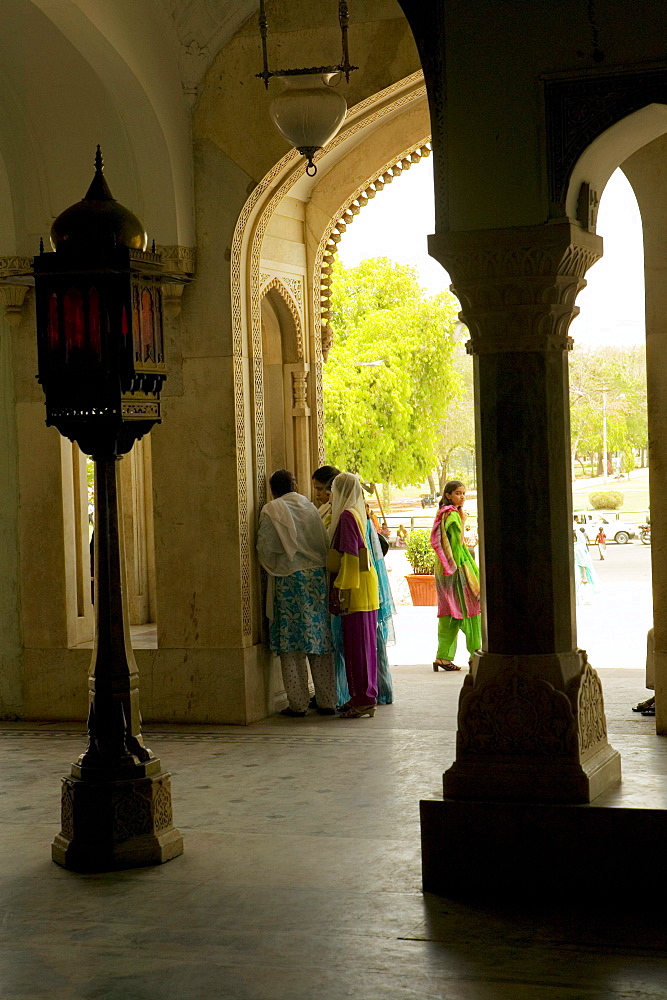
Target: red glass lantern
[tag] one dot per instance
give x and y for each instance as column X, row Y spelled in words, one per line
column 99, row 324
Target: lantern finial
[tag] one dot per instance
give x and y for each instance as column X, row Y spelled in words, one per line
column 99, row 190
column 98, row 219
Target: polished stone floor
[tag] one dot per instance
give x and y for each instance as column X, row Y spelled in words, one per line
column 301, row 877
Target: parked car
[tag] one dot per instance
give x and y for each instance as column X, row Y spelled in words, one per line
column 616, row 531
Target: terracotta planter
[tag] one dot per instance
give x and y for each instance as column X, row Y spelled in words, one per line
column 422, row 590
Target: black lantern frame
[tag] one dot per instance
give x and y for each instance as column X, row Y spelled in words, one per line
column 100, row 344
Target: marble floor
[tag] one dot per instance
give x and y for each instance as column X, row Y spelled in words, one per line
column 301, row 877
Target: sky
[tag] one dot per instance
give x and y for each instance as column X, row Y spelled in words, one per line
column 397, row 221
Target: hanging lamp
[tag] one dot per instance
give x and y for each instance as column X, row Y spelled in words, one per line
column 308, row 112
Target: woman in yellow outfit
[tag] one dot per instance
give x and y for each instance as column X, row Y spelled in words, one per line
column 354, row 593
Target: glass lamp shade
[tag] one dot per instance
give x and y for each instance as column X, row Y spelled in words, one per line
column 308, row 113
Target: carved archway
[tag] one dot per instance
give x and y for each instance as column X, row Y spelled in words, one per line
column 380, row 133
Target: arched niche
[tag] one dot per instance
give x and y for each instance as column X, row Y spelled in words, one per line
column 281, row 361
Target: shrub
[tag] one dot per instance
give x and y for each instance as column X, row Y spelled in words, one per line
column 611, row 500
column 419, row 552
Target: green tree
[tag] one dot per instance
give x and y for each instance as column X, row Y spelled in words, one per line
column 382, row 419
column 622, row 372
column 457, row 427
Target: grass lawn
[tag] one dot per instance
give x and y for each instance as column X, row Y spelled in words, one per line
column 635, row 492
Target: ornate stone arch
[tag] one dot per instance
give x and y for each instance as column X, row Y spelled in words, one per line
column 403, row 101
column 280, row 285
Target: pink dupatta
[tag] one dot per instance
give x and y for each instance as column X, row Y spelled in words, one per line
column 447, row 572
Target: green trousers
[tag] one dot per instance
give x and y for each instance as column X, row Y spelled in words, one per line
column 448, row 632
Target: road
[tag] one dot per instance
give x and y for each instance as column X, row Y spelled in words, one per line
column 612, row 628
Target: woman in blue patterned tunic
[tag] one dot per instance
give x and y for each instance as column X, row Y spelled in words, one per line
column 292, row 544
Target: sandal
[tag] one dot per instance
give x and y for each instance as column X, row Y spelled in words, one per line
column 356, row 712
column 444, row 665
column 644, row 706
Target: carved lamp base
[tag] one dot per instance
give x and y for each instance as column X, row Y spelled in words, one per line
column 112, row 825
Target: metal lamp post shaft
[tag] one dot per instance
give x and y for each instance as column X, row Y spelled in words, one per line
column 114, row 722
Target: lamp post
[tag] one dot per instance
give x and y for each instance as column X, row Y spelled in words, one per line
column 101, row 366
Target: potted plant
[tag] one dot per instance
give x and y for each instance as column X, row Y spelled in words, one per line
column 422, row 560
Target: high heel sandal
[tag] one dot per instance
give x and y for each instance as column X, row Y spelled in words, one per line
column 357, row 712
column 444, row 666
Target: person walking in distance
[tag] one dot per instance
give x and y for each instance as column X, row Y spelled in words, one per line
column 601, row 540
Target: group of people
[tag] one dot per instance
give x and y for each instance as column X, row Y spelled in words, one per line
column 328, row 597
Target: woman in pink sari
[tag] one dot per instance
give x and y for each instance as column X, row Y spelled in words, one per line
column 456, row 579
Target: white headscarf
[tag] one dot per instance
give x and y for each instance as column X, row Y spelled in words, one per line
column 347, row 494
column 291, row 537
column 283, row 521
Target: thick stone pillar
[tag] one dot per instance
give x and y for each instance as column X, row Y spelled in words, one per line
column 647, row 172
column 531, row 723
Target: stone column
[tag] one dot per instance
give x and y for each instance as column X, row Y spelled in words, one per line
column 300, row 423
column 647, row 172
column 531, row 723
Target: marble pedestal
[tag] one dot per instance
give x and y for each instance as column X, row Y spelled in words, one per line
column 115, row 824
column 544, row 851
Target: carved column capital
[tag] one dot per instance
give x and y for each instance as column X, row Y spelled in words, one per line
column 178, row 260
column 517, row 287
column 12, row 296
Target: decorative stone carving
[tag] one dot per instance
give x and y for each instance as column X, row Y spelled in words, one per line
column 346, row 215
column 171, row 300
column 585, row 693
column 579, row 109
column 178, row 260
column 286, row 286
column 532, row 728
column 300, row 392
column 515, row 713
column 12, row 298
column 106, row 825
column 517, row 287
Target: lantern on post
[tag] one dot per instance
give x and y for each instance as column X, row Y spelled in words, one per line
column 101, row 365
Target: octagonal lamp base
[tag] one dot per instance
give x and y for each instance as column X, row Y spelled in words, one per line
column 113, row 825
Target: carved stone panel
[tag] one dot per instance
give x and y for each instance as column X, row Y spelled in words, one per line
column 516, row 713
column 579, row 109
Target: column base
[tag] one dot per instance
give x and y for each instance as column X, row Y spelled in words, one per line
column 112, row 825
column 532, row 729
column 520, row 780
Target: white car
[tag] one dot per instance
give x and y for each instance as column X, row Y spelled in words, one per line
column 616, row 531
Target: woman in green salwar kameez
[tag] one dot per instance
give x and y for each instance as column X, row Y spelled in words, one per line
column 456, row 580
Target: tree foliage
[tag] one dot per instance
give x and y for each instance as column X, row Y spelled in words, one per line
column 382, row 420
column 457, row 427
column 621, row 371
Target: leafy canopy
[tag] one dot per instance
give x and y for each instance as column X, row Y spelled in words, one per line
column 382, row 421
column 621, row 371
